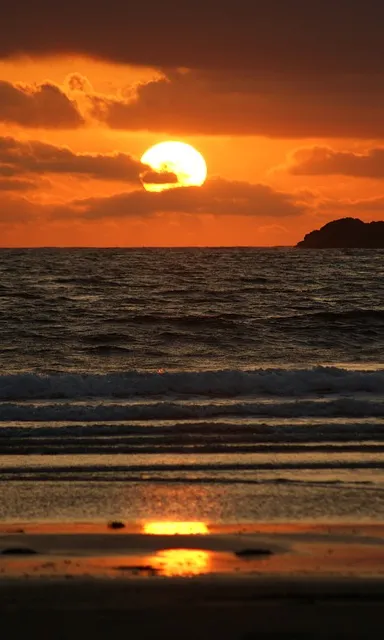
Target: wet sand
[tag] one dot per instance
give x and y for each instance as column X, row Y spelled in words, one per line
column 306, row 581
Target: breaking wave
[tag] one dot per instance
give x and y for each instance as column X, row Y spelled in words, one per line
column 340, row 407
column 225, row 383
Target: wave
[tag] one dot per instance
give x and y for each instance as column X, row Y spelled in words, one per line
column 24, row 295
column 79, row 446
column 362, row 316
column 207, row 321
column 20, row 474
column 256, row 280
column 108, row 350
column 207, row 431
column 105, row 337
column 342, row 407
column 223, row 383
column 86, row 280
column 186, row 468
column 352, row 314
column 205, row 437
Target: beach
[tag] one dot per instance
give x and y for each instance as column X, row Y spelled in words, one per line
column 229, row 581
column 230, row 427
column 192, row 320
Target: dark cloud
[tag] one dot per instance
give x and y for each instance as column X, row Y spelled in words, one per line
column 325, row 161
column 296, row 37
column 40, row 106
column 353, row 207
column 216, row 197
column 299, row 69
column 161, row 177
column 16, row 209
column 20, row 157
column 12, row 184
column 215, row 102
column 210, row 103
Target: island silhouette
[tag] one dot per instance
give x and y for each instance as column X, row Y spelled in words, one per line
column 345, row 233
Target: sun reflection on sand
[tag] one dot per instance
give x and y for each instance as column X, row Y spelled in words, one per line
column 179, row 562
column 182, row 562
column 175, row 528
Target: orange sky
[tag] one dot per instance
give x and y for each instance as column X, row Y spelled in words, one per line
column 284, row 154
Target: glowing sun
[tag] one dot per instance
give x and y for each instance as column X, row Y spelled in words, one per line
column 174, row 164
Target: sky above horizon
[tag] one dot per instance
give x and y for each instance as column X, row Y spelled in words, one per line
column 284, row 100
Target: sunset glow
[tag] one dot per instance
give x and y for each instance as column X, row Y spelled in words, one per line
column 175, row 528
column 191, row 318
column 92, row 128
column 182, row 562
column 178, row 158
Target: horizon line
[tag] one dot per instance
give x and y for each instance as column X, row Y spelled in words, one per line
column 192, row 246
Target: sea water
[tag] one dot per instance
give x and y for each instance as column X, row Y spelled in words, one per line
column 224, row 385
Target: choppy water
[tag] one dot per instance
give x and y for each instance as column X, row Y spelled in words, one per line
column 252, row 377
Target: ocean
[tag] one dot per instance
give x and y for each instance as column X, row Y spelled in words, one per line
column 225, row 385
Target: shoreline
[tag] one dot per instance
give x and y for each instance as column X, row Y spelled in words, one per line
column 316, row 581
column 168, row 549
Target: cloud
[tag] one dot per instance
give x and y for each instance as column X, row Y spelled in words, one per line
column 78, row 82
column 11, row 184
column 17, row 209
column 325, row 161
column 357, row 206
column 210, row 102
column 200, row 214
column 217, row 197
column 242, row 103
column 34, row 157
column 159, row 177
column 41, row 106
column 321, row 36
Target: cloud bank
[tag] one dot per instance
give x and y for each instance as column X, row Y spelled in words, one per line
column 317, row 161
column 34, row 157
column 299, row 37
column 217, row 197
column 275, row 105
column 201, row 102
column 41, row 106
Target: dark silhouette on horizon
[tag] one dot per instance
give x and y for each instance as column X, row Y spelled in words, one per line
column 346, row 233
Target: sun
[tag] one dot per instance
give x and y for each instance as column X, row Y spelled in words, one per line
column 180, row 163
